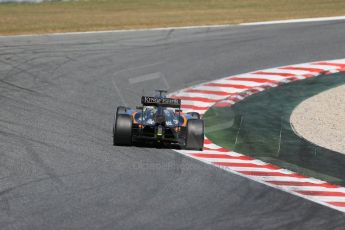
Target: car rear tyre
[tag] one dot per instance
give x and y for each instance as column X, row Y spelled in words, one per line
column 195, row 134
column 114, row 135
column 122, row 134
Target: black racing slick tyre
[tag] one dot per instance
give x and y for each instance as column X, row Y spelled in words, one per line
column 195, row 134
column 194, row 115
column 123, row 130
column 114, row 142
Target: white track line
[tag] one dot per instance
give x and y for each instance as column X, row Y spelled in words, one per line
column 318, row 19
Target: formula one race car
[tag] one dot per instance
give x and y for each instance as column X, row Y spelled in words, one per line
column 158, row 120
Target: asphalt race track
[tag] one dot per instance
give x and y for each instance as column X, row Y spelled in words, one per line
column 58, row 168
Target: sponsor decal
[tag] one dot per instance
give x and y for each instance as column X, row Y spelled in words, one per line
column 160, row 101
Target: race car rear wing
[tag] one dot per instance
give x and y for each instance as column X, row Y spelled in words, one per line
column 165, row 102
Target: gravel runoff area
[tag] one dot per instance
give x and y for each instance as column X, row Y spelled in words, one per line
column 321, row 119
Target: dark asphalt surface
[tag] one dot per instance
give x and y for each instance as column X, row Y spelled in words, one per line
column 58, row 168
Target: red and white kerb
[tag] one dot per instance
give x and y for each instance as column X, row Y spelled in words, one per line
column 227, row 91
